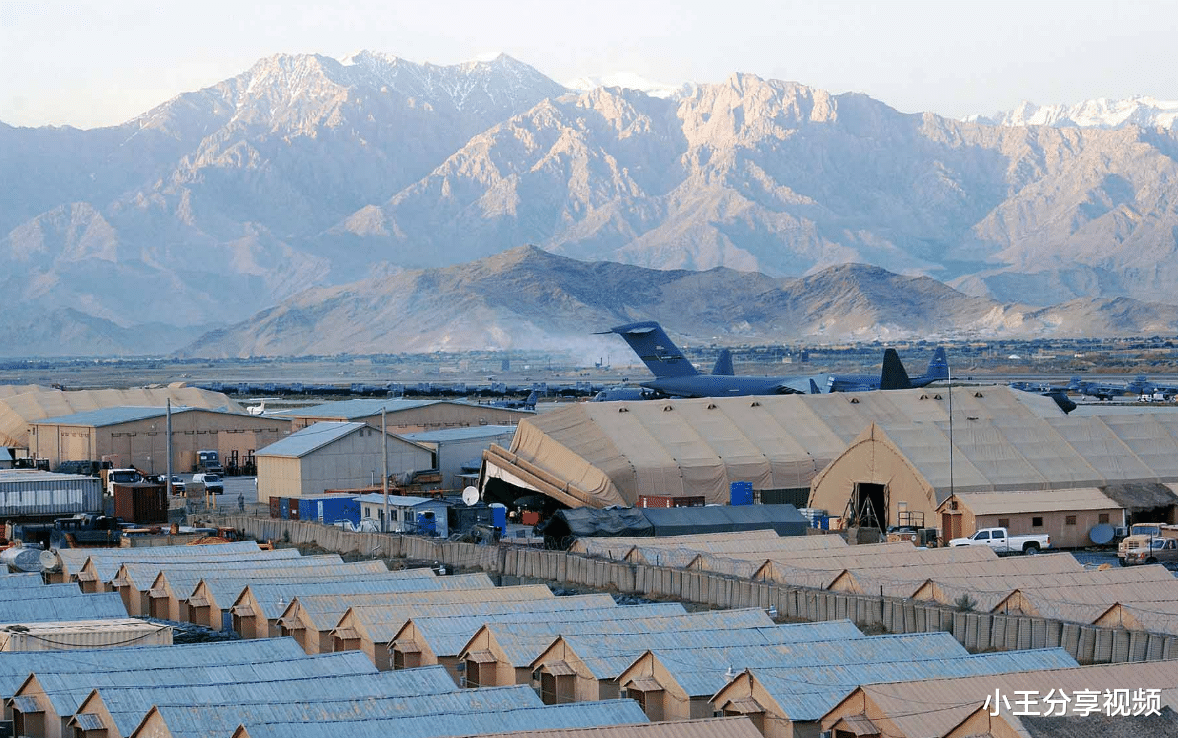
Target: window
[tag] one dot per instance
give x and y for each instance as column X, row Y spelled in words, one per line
column 1102, row 518
column 1003, row 522
column 1037, row 521
column 1069, row 520
column 984, row 535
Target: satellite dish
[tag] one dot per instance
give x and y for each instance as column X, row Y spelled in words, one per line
column 1102, row 534
column 50, row 561
column 470, row 495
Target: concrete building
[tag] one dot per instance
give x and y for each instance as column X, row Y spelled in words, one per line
column 407, row 416
column 333, row 455
column 1067, row 515
column 458, row 447
column 137, row 436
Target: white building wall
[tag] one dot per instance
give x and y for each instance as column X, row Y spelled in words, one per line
column 354, row 460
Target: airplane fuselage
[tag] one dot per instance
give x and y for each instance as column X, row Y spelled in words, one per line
column 709, row 385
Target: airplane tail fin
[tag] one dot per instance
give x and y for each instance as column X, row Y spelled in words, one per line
column 724, row 364
column 894, row 375
column 530, row 403
column 814, row 390
column 662, row 357
column 1060, row 395
column 938, row 367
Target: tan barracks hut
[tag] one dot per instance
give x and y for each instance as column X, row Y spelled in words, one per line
column 137, row 436
column 333, row 455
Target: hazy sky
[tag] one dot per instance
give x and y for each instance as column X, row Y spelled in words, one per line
column 98, row 62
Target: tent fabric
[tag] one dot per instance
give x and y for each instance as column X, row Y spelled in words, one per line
column 677, row 521
column 615, row 452
column 584, row 522
column 1139, row 496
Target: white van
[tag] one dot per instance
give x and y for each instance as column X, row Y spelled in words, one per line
column 211, row 482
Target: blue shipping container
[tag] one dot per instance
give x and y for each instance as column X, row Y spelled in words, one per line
column 284, row 506
column 330, row 509
column 741, row 493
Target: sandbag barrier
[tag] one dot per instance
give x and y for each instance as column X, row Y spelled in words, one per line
column 977, row 631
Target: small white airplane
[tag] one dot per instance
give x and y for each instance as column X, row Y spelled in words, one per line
column 259, row 409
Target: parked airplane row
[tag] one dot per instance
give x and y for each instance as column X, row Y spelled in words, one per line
column 676, row 376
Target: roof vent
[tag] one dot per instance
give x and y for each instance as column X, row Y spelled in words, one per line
column 924, row 397
column 623, row 410
column 936, row 397
column 711, row 406
column 854, row 400
column 667, row 408
column 978, row 394
column 754, row 403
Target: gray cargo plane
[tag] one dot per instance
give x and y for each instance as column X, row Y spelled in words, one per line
column 675, row 376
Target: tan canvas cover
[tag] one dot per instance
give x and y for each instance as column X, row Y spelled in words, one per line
column 614, row 452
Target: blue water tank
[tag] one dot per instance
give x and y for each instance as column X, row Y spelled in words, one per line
column 499, row 516
column 741, row 493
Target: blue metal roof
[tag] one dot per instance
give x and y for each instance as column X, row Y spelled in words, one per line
column 20, row 581
column 461, row 434
column 270, row 594
column 124, row 414
column 395, row 608
column 427, row 680
column 807, row 693
column 15, row 666
column 79, row 607
column 224, row 718
column 362, row 408
column 549, row 717
column 66, row 691
column 400, row 500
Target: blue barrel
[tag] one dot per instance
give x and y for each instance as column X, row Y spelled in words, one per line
column 499, row 517
column 741, row 493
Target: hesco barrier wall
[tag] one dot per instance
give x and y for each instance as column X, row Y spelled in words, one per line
column 1088, row 644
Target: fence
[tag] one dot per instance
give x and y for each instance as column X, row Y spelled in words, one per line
column 1088, row 644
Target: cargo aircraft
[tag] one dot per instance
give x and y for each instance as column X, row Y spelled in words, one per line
column 675, row 376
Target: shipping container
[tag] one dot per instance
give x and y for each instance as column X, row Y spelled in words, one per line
column 664, row 501
column 66, row 635
column 276, row 507
column 292, row 504
column 141, row 503
column 741, row 493
column 329, row 509
column 32, row 493
column 284, row 506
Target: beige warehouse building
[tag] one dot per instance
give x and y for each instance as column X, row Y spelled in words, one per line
column 137, row 436
column 333, row 455
column 407, row 416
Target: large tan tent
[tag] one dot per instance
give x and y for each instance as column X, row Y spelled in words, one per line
column 18, row 411
column 909, row 467
column 599, row 454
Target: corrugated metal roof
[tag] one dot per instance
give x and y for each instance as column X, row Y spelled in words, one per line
column 221, row 719
column 366, row 408
column 35, row 475
column 381, row 623
column 400, row 500
column 20, row 581
column 1055, row 500
column 225, row 587
column 271, row 594
column 324, row 611
column 576, row 715
column 15, row 667
column 38, row 593
column 958, row 698
column 79, row 607
column 608, row 656
column 66, row 691
column 143, row 572
column 524, row 642
column 116, row 415
column 427, row 680
column 72, row 559
column 461, row 434
column 447, row 636
column 316, row 436
column 727, row 727
column 87, row 721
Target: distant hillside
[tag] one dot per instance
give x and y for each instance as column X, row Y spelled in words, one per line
column 529, row 298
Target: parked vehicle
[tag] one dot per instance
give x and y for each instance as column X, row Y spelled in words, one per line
column 208, row 460
column 1150, row 550
column 177, row 483
column 211, row 483
column 119, row 476
column 1144, row 538
column 1001, row 541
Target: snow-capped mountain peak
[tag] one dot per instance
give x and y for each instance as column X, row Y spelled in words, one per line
column 631, row 81
column 1143, row 111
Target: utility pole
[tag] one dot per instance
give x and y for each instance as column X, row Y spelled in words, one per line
column 384, row 457
column 169, row 451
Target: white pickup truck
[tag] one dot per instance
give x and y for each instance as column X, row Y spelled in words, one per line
column 1000, row 540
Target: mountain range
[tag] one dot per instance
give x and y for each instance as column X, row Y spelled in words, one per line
column 529, row 298
column 310, row 173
